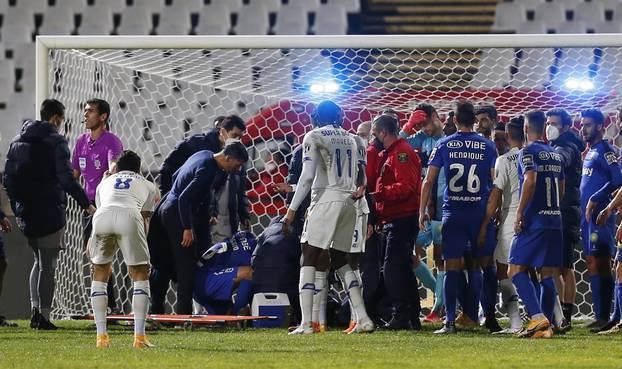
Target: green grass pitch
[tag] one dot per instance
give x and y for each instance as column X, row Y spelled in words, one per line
column 73, row 346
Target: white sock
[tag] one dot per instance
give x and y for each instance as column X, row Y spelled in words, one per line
column 558, row 314
column 306, row 289
column 323, row 294
column 140, row 305
column 510, row 300
column 99, row 302
column 353, row 316
column 320, row 283
column 352, row 287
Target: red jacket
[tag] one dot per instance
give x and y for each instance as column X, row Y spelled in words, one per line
column 398, row 182
column 373, row 167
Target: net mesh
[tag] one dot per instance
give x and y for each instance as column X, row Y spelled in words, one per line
column 159, row 97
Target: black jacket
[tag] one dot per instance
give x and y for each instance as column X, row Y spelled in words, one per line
column 37, row 178
column 239, row 207
column 570, row 146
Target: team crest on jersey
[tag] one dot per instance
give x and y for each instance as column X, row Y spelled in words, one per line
column 544, row 155
column 611, row 157
column 527, row 159
column 402, row 157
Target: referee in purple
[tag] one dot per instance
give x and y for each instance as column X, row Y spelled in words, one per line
column 95, row 152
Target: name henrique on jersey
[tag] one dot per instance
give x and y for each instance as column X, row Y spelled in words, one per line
column 337, row 153
column 128, row 190
column 467, row 159
column 543, row 211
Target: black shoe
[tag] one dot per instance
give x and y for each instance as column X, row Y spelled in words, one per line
column 46, row 325
column 415, row 324
column 564, row 328
column 493, row 325
column 34, row 319
column 396, row 325
column 448, row 328
column 6, row 323
column 604, row 326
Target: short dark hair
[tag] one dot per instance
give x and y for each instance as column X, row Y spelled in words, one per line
column 464, row 113
column 232, row 121
column 387, row 123
column 563, row 115
column 500, row 126
column 327, row 112
column 129, row 160
column 594, row 113
column 487, row 109
column 515, row 128
column 236, row 150
column 536, row 120
column 102, row 106
column 50, row 108
column 450, row 116
column 218, row 120
column 428, row 109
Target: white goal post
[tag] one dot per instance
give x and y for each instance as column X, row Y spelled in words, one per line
column 164, row 88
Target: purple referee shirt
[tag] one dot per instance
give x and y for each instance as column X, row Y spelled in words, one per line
column 91, row 158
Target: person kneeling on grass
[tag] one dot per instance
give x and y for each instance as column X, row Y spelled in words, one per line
column 223, row 268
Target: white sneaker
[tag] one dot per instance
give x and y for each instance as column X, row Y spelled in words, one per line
column 302, row 329
column 508, row 331
column 364, row 326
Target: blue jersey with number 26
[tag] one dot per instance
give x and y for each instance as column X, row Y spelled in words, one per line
column 543, row 211
column 467, row 159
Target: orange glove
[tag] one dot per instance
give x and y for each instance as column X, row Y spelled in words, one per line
column 415, row 121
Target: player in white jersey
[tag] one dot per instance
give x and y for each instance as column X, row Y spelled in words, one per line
column 333, row 169
column 124, row 201
column 506, row 187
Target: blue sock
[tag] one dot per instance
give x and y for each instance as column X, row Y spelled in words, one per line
column 606, row 293
column 527, row 292
column 596, row 295
column 438, row 292
column 536, row 285
column 615, row 314
column 463, row 287
column 547, row 299
column 243, row 295
column 424, row 274
column 452, row 278
column 619, row 298
column 489, row 291
column 474, row 291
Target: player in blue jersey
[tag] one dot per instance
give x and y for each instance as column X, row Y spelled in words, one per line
column 601, row 177
column 538, row 226
column 468, row 160
column 222, row 268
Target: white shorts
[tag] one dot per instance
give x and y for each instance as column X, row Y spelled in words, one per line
column 360, row 235
column 118, row 228
column 504, row 242
column 330, row 224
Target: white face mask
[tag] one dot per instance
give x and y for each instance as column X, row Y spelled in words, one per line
column 552, row 133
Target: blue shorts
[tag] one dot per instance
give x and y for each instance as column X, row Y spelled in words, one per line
column 618, row 254
column 216, row 285
column 2, row 254
column 537, row 248
column 598, row 241
column 431, row 234
column 460, row 236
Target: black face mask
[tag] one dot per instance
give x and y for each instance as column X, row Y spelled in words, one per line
column 377, row 143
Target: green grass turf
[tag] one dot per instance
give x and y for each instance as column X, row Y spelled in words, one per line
column 73, row 346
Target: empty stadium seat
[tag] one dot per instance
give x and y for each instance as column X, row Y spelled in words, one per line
column 19, row 15
column 531, row 27
column 308, row 5
column 116, row 6
column 13, row 34
column 96, row 20
column 155, row 6
column 607, row 27
column 351, row 6
column 291, row 20
column 271, row 5
column 174, row 20
column 617, row 14
column 135, row 20
column 531, row 5
column 494, row 69
column 214, row 20
column 24, row 56
column 7, row 79
column 194, row 6
column 591, row 12
column 571, row 27
column 508, row 16
column 552, row 13
column 57, row 20
column 77, row 6
column 253, row 19
column 234, row 6
column 36, row 6
column 331, row 19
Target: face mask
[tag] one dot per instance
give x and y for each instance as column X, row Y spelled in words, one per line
column 552, row 133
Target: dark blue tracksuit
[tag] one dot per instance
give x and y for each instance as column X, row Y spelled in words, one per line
column 192, row 186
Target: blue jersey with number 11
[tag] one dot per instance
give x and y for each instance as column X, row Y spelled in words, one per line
column 543, row 211
column 467, row 159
